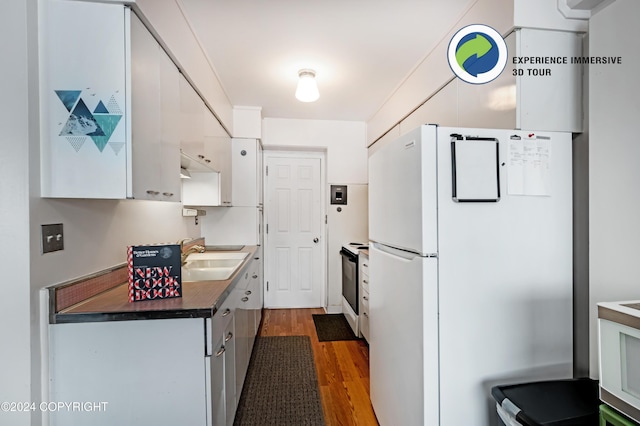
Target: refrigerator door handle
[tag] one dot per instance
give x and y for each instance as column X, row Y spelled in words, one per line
column 403, row 254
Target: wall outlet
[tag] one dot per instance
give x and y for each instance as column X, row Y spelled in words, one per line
column 52, row 238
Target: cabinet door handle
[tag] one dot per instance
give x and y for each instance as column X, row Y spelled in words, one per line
column 207, row 161
column 365, row 314
column 254, row 276
column 365, row 281
column 256, row 258
column 168, row 194
column 248, row 292
column 226, row 312
column 245, row 299
column 229, row 337
column 221, row 351
column 365, row 265
column 152, row 192
column 200, row 156
column 365, row 297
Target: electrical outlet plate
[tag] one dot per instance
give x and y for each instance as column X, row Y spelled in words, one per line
column 52, row 238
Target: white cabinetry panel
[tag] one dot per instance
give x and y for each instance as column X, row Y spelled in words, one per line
column 191, row 121
column 488, row 105
column 550, row 102
column 247, row 171
column 155, row 113
column 217, row 147
column 440, row 109
column 149, row 372
column 84, row 138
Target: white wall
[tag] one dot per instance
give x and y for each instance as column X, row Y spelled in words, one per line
column 614, row 175
column 97, row 233
column 433, row 72
column 351, row 224
column 344, row 142
column 15, row 367
column 544, row 14
column 168, row 21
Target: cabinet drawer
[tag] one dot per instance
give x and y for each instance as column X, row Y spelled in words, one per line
column 224, row 315
column 364, row 282
column 364, row 310
column 365, row 300
column 364, row 263
column 364, row 325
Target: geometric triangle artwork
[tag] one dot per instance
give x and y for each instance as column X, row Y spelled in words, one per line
column 81, row 122
column 76, row 141
column 100, row 109
column 68, row 97
column 116, row 146
column 113, row 106
column 107, row 123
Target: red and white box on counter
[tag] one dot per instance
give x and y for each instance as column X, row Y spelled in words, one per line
column 155, row 272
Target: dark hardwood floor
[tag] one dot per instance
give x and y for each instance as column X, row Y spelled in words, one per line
column 342, row 367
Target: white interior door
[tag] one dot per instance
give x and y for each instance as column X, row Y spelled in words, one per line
column 293, row 233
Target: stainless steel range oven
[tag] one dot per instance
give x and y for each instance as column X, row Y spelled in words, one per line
column 350, row 278
column 350, row 284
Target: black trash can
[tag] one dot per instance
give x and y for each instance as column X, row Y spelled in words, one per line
column 569, row 402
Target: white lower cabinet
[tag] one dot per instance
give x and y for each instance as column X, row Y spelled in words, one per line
column 363, row 265
column 242, row 336
column 217, row 415
column 146, row 372
column 248, row 314
column 162, row 372
column 221, row 354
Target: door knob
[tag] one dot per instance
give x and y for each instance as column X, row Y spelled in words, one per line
column 315, row 240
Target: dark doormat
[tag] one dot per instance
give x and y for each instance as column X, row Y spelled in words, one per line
column 281, row 387
column 332, row 327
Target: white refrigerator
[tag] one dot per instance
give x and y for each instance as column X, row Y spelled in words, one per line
column 470, row 270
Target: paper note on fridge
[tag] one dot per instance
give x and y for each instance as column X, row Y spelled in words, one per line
column 529, row 167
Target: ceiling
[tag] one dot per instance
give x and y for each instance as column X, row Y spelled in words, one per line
column 361, row 50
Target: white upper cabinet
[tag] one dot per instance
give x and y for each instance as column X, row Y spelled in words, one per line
column 84, row 100
column 110, row 106
column 204, row 140
column 218, row 148
column 247, row 172
column 192, row 113
column 155, row 119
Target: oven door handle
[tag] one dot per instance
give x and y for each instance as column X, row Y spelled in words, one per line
column 349, row 256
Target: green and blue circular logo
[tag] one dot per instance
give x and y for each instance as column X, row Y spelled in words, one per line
column 477, row 54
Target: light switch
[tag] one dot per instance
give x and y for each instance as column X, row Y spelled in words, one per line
column 52, row 238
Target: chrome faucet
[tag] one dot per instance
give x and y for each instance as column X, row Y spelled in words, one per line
column 193, row 249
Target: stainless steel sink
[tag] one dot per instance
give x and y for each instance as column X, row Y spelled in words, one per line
column 211, row 266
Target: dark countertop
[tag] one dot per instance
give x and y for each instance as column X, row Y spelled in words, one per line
column 200, row 299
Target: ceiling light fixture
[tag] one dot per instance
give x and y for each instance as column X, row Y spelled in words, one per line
column 307, row 90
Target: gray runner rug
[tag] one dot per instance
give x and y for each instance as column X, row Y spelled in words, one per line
column 281, row 387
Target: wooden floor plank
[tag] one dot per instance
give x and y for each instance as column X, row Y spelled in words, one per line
column 342, row 367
